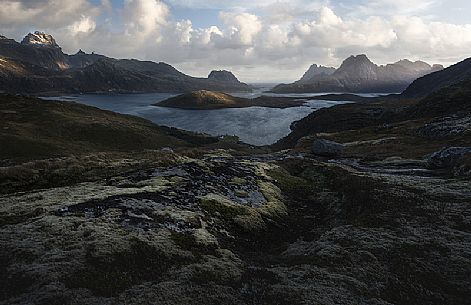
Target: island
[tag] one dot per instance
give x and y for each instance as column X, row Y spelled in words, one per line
column 206, row 100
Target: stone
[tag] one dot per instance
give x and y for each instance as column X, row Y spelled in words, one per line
column 447, row 157
column 326, row 148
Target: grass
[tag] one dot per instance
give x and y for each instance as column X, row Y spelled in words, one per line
column 32, row 128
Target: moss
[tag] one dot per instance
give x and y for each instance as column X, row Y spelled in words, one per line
column 290, row 184
column 19, row 218
column 237, row 181
column 12, row 284
column 225, row 207
column 109, row 276
column 274, row 208
column 185, row 241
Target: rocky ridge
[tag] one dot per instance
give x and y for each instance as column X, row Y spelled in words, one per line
column 316, row 71
column 358, row 74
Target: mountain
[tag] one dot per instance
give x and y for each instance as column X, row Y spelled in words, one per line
column 223, row 76
column 443, row 95
column 438, row 80
column 315, row 71
column 358, row 74
column 35, row 49
column 40, row 39
column 38, row 65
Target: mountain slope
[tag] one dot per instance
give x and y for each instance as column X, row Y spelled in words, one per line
column 438, row 80
column 46, row 69
column 315, row 71
column 358, row 74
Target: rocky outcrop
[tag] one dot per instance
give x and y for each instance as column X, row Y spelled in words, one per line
column 40, row 39
column 326, row 148
column 223, row 76
column 358, row 74
column 314, row 72
column 447, row 157
column 39, row 50
column 446, row 127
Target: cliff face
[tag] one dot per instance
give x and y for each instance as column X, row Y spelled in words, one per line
column 223, row 76
column 33, row 50
column 315, row 71
column 38, row 65
column 359, row 74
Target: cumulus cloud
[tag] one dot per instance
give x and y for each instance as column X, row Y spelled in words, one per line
column 144, row 17
column 268, row 43
column 240, row 30
column 84, row 25
column 44, row 13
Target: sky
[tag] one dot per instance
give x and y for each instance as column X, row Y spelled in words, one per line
column 258, row 40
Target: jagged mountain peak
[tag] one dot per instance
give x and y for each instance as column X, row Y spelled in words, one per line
column 316, row 71
column 414, row 65
column 40, row 39
column 360, row 66
column 356, row 60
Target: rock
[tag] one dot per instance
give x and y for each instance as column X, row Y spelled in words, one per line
column 326, row 148
column 167, row 150
column 447, row 157
column 445, row 127
column 40, row 39
column 316, row 71
column 223, row 76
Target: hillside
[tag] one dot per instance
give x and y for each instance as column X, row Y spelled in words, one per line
column 438, row 80
column 33, row 128
column 358, row 74
column 38, row 65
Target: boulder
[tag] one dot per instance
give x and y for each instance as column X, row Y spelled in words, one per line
column 326, row 148
column 447, row 157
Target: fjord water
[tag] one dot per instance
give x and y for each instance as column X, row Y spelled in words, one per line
column 253, row 125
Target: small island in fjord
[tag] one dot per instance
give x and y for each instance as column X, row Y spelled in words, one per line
column 206, row 100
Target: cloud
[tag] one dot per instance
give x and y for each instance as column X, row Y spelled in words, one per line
column 144, row 17
column 240, row 30
column 44, row 13
column 84, row 25
column 275, row 41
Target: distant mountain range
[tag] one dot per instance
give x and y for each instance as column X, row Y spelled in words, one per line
column 358, row 74
column 444, row 93
column 38, row 65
